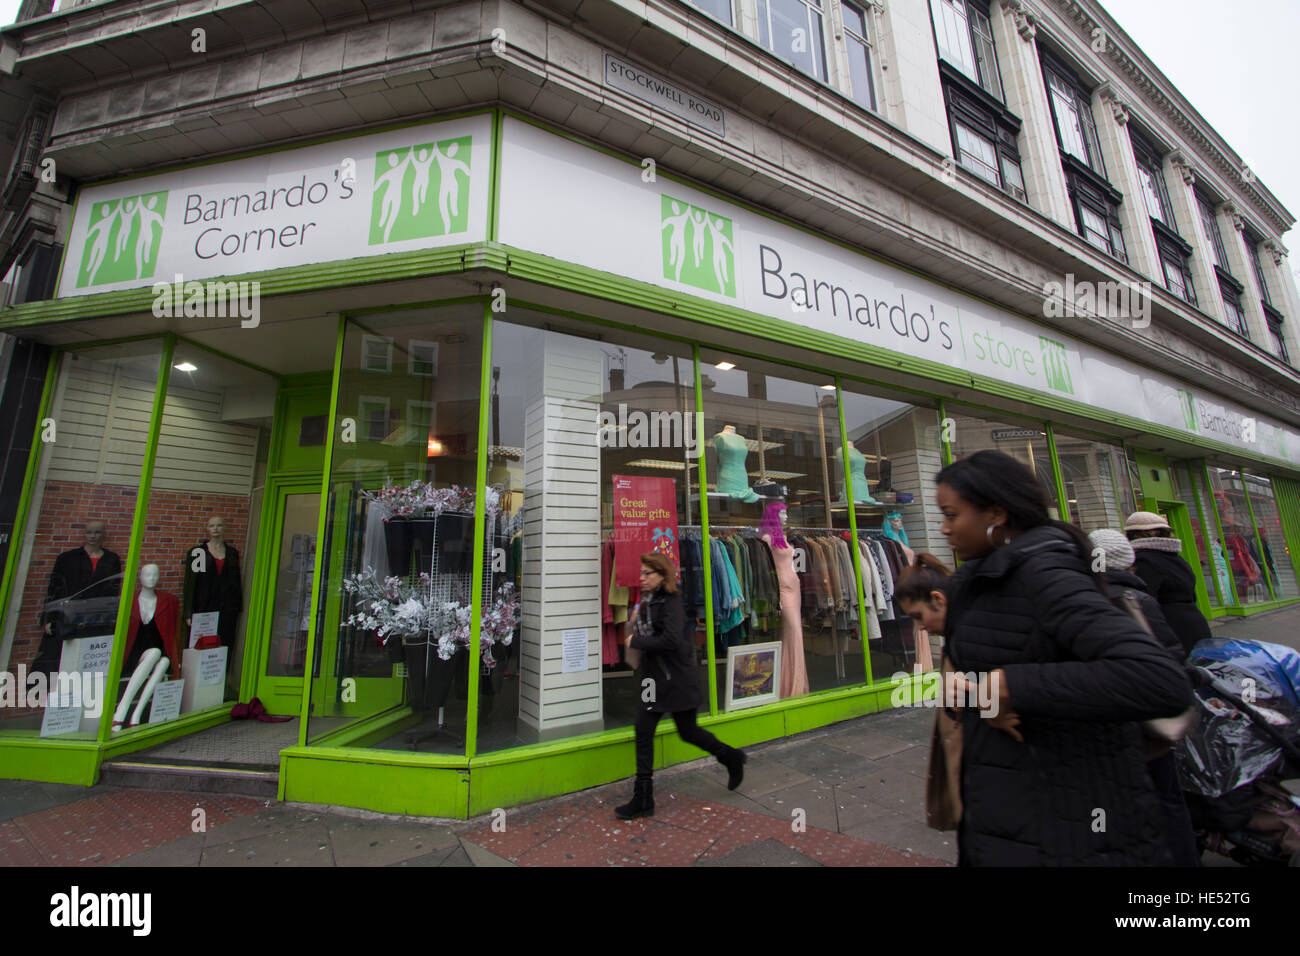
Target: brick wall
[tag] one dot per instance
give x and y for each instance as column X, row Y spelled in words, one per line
column 175, row 523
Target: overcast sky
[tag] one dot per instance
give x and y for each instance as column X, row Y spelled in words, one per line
column 1235, row 62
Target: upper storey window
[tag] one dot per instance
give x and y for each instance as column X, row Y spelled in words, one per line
column 965, row 39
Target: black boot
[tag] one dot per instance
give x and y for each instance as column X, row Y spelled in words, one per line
column 642, row 803
column 734, row 761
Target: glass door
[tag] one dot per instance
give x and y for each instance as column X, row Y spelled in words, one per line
column 284, row 628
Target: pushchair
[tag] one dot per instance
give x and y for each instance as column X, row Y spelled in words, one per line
column 1240, row 766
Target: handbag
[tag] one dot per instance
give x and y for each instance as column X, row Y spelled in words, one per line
column 1162, row 733
column 943, row 806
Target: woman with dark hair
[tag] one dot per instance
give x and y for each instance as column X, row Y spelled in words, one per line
column 920, row 592
column 669, row 683
column 1053, row 768
column 1168, row 578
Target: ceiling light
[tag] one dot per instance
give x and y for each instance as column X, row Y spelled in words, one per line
column 828, row 388
column 725, row 366
column 186, row 367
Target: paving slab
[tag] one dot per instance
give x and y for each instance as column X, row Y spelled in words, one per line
column 21, row 797
column 380, row 843
column 713, row 791
column 274, row 819
column 434, row 858
column 763, row 853
column 300, row 846
column 187, row 851
column 891, row 787
column 816, row 800
column 906, row 836
column 824, row 763
column 914, row 760
column 868, row 743
column 481, row 857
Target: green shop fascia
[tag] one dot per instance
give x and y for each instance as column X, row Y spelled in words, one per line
column 374, row 430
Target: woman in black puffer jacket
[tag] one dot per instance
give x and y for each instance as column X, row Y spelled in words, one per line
column 1168, row 578
column 669, row 684
column 1054, row 772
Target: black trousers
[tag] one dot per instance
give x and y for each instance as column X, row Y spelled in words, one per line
column 687, row 728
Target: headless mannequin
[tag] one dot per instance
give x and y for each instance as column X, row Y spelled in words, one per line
column 153, row 665
column 858, row 474
column 733, row 478
column 794, row 670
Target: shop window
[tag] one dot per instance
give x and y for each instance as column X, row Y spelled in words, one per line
column 894, row 453
column 1098, row 492
column 1272, row 539
column 760, row 478
column 69, row 578
column 792, row 29
column 1241, row 546
column 400, row 510
column 594, row 443
column 1213, row 563
column 193, row 594
column 1026, row 442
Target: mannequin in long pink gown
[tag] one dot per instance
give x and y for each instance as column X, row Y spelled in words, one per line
column 794, row 670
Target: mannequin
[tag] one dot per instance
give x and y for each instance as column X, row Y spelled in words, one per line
column 89, row 571
column 216, row 585
column 893, row 528
column 155, row 619
column 151, row 632
column 858, row 473
column 733, row 477
column 794, row 669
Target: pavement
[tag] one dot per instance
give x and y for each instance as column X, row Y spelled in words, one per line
column 851, row 794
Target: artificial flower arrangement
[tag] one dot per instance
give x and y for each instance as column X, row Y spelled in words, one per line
column 421, row 499
column 394, row 607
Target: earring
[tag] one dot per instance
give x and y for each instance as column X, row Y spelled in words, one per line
column 988, row 534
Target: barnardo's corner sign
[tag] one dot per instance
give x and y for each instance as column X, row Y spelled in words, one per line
column 411, row 188
column 568, row 201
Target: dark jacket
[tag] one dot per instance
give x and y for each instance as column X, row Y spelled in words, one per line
column 1172, row 582
column 74, row 577
column 213, row 590
column 1081, row 674
column 668, row 657
column 1120, row 582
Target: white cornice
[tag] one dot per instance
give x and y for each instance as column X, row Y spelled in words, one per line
column 1156, row 91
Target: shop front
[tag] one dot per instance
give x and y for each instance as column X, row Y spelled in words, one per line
column 399, row 494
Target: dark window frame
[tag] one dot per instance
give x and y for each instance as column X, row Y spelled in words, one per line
column 1081, row 100
column 981, row 45
column 1253, row 242
column 863, row 7
column 1205, row 209
column 972, row 106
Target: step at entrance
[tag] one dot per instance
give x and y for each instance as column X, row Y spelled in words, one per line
column 143, row 774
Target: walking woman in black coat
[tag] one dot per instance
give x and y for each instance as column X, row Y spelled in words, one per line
column 1054, row 770
column 669, row 683
column 1168, row 578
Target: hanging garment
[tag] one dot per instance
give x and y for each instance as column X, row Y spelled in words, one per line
column 608, row 629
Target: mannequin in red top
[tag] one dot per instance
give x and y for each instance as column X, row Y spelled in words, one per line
column 152, row 647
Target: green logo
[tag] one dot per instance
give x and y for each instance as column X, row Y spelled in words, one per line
column 698, row 247
column 123, row 239
column 1188, row 405
column 1056, row 365
column 420, row 191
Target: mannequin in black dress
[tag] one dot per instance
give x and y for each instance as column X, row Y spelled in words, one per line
column 212, row 583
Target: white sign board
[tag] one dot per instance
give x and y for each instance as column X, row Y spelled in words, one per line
column 575, row 651
column 557, row 198
column 166, row 701
column 203, row 624
column 411, row 188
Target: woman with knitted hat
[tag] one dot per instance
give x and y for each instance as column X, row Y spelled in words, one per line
column 1117, row 563
column 1169, row 579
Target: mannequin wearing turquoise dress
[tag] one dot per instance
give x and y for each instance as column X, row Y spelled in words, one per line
column 733, row 477
column 858, row 472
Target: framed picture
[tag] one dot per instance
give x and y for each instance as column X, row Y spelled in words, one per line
column 753, row 675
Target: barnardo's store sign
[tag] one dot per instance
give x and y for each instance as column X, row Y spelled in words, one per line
column 571, row 202
column 413, row 188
